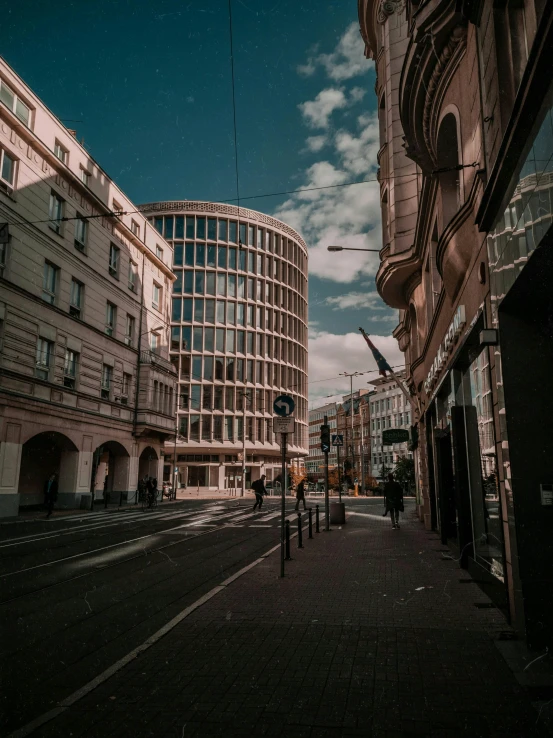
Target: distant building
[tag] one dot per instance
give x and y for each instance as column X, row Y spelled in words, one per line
column 238, row 339
column 86, row 387
column 356, row 452
column 315, row 462
column 388, row 409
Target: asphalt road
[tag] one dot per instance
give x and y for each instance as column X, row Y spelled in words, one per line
column 79, row 592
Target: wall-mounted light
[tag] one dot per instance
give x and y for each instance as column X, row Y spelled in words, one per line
column 489, row 337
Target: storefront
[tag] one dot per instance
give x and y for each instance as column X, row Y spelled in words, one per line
column 462, row 456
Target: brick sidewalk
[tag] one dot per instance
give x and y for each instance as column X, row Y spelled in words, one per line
column 370, row 634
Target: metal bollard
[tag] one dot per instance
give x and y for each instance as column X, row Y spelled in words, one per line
column 300, row 532
column 310, row 523
column 317, row 519
column 287, row 534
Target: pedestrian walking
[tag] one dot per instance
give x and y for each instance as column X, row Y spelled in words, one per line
column 259, row 488
column 50, row 493
column 393, row 496
column 300, row 495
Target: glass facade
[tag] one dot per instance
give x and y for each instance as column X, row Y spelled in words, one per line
column 239, row 325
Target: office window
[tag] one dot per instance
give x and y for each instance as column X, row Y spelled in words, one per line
column 135, row 228
column 7, row 168
column 81, row 227
column 156, row 296
column 111, row 315
column 70, row 368
column 85, row 176
column 49, row 282
column 159, row 252
column 154, row 342
column 107, row 381
column 14, row 103
column 61, row 152
column 129, row 330
column 133, row 275
column 76, row 298
column 114, row 260
column 44, row 355
column 56, row 211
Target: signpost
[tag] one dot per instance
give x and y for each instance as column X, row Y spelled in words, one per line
column 283, row 407
column 394, row 435
column 338, row 441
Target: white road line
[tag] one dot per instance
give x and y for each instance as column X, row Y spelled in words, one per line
column 260, row 526
column 271, row 516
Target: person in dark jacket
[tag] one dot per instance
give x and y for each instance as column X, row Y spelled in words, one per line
column 300, row 495
column 393, row 495
column 50, row 493
column 259, row 488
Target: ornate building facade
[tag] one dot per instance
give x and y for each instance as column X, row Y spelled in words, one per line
column 465, row 100
column 86, row 387
column 238, row 339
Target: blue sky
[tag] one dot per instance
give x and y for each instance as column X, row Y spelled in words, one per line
column 150, row 91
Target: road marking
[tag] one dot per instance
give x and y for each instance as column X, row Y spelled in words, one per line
column 260, row 526
column 269, row 517
column 28, row 729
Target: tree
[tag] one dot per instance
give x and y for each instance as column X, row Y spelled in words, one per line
column 333, row 478
column 295, row 476
column 404, row 472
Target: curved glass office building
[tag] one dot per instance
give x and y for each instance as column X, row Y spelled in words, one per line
column 238, row 339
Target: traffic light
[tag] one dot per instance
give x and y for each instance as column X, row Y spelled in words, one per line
column 325, row 438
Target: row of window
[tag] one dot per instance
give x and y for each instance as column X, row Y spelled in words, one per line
column 230, row 428
column 227, row 398
column 388, row 403
column 228, row 231
column 50, row 292
column 232, row 259
column 45, row 353
column 391, row 421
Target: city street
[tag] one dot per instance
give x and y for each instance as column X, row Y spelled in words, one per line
column 372, row 632
column 79, row 591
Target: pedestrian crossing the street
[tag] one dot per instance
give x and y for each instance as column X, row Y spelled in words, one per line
column 217, row 515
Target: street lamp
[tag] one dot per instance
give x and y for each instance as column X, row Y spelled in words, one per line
column 348, row 248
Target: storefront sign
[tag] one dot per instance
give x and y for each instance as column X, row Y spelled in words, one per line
column 446, row 347
column 394, row 435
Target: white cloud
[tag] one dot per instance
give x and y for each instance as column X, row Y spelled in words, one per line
column 346, row 61
column 316, row 143
column 357, row 93
column 331, row 353
column 357, row 301
column 318, row 111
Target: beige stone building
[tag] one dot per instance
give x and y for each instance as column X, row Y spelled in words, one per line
column 86, row 386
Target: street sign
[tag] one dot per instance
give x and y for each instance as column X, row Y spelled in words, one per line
column 284, row 425
column 284, row 406
column 337, row 440
column 394, row 435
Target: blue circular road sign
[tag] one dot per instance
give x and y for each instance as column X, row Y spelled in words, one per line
column 284, row 405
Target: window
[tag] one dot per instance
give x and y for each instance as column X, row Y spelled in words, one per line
column 85, row 176
column 114, row 260
column 49, row 282
column 111, row 314
column 125, row 388
column 135, row 228
column 115, row 207
column 129, row 330
column 76, row 298
column 107, row 379
column 70, row 368
column 156, row 296
column 133, row 275
column 61, row 153
column 81, row 226
column 56, row 211
column 13, row 102
column 159, row 252
column 7, row 168
column 44, row 354
column 154, row 342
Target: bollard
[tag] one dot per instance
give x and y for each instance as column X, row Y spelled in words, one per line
column 288, row 557
column 310, row 523
column 317, row 519
column 106, row 498
column 300, row 532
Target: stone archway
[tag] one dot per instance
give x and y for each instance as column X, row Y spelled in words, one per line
column 148, row 463
column 111, row 470
column 42, row 455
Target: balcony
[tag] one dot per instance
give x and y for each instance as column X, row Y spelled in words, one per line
column 153, row 359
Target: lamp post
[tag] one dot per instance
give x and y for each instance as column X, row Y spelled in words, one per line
column 351, row 376
column 348, row 248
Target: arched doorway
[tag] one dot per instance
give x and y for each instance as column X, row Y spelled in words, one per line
column 148, row 463
column 110, row 472
column 42, row 455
